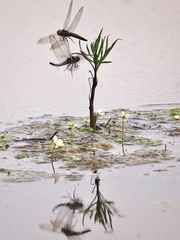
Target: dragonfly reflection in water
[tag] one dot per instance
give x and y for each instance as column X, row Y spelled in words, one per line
column 62, row 35
column 63, row 54
column 63, row 222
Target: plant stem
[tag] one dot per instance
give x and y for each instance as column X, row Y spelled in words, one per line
column 91, row 100
column 52, row 164
column 123, row 125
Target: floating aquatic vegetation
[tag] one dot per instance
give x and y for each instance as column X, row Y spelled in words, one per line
column 5, row 140
column 146, row 141
column 19, row 176
column 85, row 149
column 175, row 112
column 22, row 155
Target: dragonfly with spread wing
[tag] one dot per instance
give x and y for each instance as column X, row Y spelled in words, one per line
column 63, row 54
column 62, row 35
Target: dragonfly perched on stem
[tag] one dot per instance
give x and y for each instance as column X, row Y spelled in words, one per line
column 63, row 54
column 67, row 32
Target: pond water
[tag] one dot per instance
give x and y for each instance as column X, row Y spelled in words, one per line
column 145, row 68
column 147, row 201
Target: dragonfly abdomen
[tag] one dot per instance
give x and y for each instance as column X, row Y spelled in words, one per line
column 64, row 33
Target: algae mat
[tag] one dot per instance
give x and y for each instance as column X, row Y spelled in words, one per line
column 27, row 153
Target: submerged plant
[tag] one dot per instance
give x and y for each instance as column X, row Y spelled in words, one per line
column 96, row 55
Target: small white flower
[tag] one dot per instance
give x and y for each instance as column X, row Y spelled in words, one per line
column 57, row 142
column 100, row 113
column 124, row 115
column 176, row 117
column 73, row 125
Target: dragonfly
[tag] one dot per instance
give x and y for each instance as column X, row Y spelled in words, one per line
column 63, row 55
column 67, row 32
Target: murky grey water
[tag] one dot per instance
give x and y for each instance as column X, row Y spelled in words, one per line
column 145, row 68
column 148, row 202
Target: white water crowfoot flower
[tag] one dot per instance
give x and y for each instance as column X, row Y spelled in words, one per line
column 176, row 117
column 72, row 125
column 57, row 142
column 100, row 113
column 124, row 115
column 86, row 122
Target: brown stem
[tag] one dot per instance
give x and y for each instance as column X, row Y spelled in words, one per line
column 91, row 101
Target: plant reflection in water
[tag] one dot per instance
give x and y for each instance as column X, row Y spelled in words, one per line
column 64, row 222
column 100, row 209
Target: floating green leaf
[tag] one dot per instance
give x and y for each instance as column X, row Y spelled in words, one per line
column 174, row 111
column 5, row 140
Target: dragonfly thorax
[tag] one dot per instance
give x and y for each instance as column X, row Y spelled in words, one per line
column 73, row 59
column 63, row 33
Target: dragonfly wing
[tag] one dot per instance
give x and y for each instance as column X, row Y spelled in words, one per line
column 46, row 39
column 43, row 40
column 56, row 42
column 75, row 22
column 46, row 227
column 66, row 23
column 60, row 50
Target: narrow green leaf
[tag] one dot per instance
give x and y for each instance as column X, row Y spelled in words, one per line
column 88, row 50
column 106, row 62
column 86, row 57
column 100, row 50
column 97, row 41
column 109, row 49
column 92, row 48
column 106, row 46
column 107, row 42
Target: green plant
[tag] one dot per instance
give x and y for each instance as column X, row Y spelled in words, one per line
column 96, row 55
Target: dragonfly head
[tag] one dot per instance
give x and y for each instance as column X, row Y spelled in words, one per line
column 74, row 59
column 59, row 32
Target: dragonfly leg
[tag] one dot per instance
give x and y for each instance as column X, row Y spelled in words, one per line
column 71, row 39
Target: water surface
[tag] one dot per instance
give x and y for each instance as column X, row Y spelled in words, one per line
column 145, row 66
column 147, row 200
